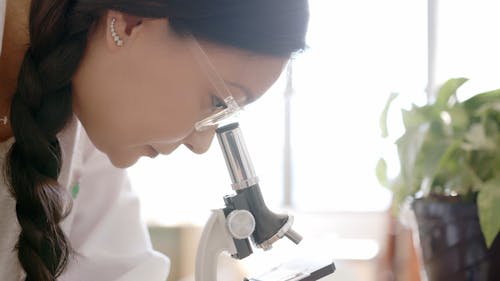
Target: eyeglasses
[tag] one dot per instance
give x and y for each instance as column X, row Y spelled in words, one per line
column 229, row 107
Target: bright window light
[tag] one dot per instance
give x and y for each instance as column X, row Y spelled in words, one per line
column 359, row 52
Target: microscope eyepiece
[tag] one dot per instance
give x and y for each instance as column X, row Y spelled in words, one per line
column 236, row 155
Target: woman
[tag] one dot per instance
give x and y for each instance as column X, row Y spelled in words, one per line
column 141, row 78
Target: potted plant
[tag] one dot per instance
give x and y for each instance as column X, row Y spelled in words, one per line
column 449, row 157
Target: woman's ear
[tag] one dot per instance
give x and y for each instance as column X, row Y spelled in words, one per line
column 121, row 29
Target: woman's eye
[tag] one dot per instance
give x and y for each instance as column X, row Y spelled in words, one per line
column 218, row 103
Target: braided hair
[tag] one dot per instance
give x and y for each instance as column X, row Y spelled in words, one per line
column 40, row 108
column 42, row 103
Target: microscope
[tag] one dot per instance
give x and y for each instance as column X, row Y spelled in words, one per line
column 246, row 220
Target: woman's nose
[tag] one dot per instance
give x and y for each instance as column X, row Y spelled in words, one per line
column 199, row 142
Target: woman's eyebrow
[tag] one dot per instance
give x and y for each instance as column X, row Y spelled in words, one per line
column 249, row 97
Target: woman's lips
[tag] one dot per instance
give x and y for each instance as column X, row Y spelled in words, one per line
column 165, row 149
column 152, row 153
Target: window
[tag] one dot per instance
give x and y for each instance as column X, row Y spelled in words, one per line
column 359, row 52
column 467, row 44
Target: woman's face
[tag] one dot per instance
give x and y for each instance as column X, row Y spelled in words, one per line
column 143, row 98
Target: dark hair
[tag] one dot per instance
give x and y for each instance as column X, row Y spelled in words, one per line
column 41, row 105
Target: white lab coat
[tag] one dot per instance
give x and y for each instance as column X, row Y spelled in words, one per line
column 105, row 229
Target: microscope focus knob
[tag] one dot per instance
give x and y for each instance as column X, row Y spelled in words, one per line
column 240, row 224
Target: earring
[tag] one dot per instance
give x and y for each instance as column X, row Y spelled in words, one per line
column 116, row 37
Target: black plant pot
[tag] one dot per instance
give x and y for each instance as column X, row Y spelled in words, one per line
column 453, row 246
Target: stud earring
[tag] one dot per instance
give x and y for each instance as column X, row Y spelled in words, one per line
column 116, row 37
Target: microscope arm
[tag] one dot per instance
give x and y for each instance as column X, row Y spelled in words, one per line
column 214, row 240
column 223, row 232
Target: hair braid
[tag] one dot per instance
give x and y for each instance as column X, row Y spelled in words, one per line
column 40, row 108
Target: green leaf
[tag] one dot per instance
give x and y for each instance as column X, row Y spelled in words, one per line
column 447, row 90
column 409, row 148
column 417, row 116
column 477, row 101
column 381, row 171
column 459, row 119
column 477, row 139
column 383, row 116
column 496, row 165
column 488, row 203
column 437, row 155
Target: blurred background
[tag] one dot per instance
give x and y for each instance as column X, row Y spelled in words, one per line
column 314, row 138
